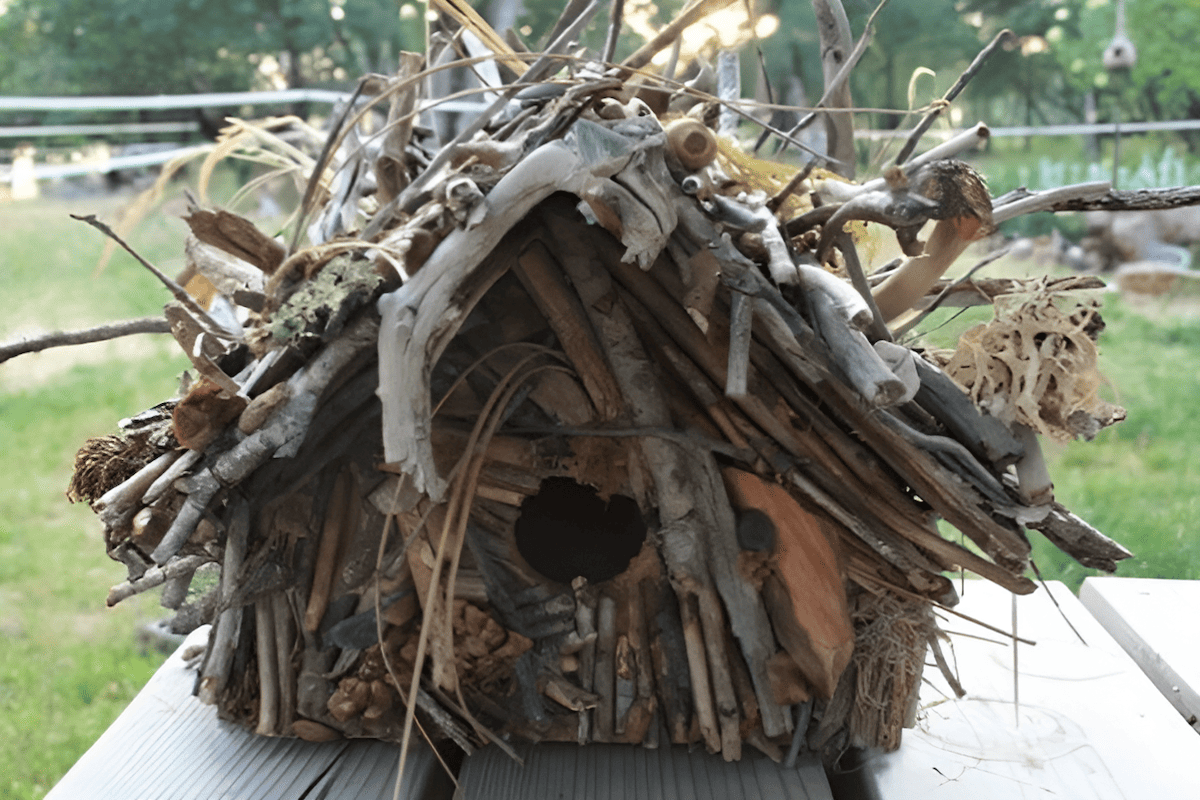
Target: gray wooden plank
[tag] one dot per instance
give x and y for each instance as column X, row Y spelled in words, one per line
column 622, row 772
column 168, row 746
column 1157, row 622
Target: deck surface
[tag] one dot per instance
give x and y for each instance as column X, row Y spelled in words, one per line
column 167, row 745
column 1157, row 622
column 1090, row 725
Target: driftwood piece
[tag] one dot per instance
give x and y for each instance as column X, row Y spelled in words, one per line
column 984, row 435
column 156, row 576
column 837, row 43
column 175, row 590
column 1081, row 541
column 857, row 360
column 1077, row 197
column 172, row 473
column 1111, row 200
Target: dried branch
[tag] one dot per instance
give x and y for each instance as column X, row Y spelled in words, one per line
column 615, row 19
column 839, row 80
column 1089, row 197
column 1003, row 37
column 178, row 291
column 99, row 333
column 156, row 576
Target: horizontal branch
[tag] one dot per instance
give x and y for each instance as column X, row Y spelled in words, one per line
column 100, row 333
column 1135, row 200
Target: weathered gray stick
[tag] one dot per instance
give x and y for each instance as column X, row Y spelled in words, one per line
column 741, row 317
column 100, row 333
column 223, row 643
column 1003, row 37
column 155, row 576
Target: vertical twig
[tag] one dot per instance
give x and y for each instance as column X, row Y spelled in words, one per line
column 741, row 319
column 221, row 647
column 615, row 19
column 837, row 46
column 1016, row 670
column 729, row 90
column 268, row 677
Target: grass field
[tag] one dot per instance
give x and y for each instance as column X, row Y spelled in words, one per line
column 68, row 665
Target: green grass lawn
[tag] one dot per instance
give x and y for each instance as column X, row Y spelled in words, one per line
column 68, row 665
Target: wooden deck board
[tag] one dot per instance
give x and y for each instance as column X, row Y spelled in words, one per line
column 1157, row 622
column 168, row 746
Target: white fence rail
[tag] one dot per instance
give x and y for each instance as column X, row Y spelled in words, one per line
column 170, row 101
column 285, row 96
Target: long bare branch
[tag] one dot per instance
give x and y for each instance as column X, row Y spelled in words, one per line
column 1001, row 38
column 100, row 333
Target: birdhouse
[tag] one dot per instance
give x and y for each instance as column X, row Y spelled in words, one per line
column 1120, row 53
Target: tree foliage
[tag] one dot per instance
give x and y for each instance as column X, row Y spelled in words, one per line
column 160, row 46
column 156, row 46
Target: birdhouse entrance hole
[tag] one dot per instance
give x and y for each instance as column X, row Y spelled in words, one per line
column 566, row 530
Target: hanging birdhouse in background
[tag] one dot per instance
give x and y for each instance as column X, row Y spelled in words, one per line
column 1120, row 53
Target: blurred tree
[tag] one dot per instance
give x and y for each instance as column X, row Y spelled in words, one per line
column 1165, row 83
column 161, row 46
column 1024, row 83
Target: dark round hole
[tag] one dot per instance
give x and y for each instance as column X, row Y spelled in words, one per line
column 565, row 530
